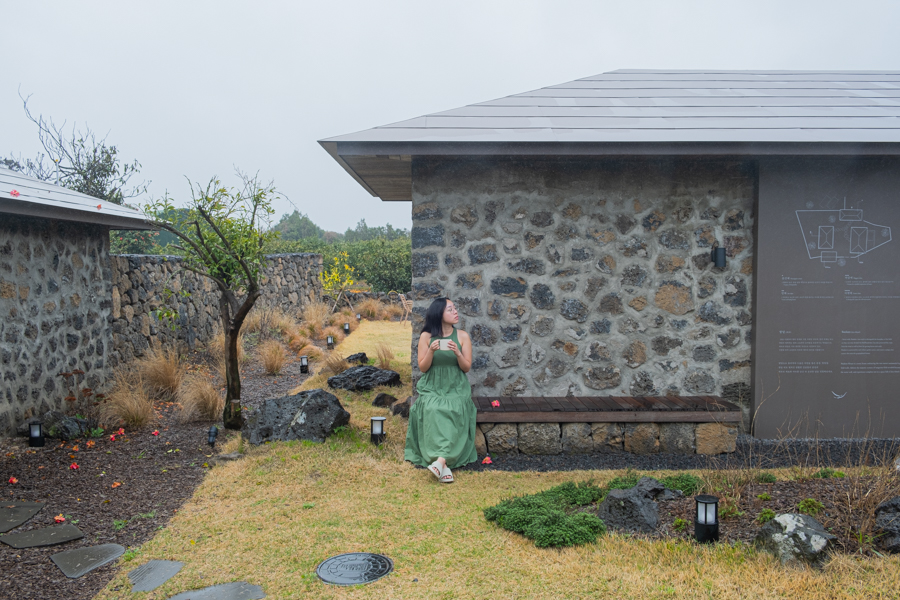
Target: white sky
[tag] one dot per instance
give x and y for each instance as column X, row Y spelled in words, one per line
column 192, row 89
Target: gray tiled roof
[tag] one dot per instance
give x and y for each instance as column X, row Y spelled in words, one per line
column 27, row 196
column 649, row 111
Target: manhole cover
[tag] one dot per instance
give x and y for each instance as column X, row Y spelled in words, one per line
column 354, row 568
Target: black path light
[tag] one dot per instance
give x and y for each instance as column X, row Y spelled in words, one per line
column 717, row 256
column 36, row 435
column 706, row 520
column 377, row 430
column 304, row 364
column 330, row 341
column 213, row 432
column 346, row 328
column 358, row 317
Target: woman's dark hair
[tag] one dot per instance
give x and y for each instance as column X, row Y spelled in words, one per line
column 434, row 318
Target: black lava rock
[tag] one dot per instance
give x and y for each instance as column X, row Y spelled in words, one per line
column 363, row 378
column 310, row 415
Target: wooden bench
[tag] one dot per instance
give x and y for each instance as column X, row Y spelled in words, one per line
column 607, row 409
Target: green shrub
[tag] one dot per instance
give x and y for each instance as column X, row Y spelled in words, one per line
column 679, row 524
column 810, row 507
column 687, row 483
column 765, row 515
column 549, row 517
column 829, row 473
column 764, row 496
column 766, row 478
column 625, row 482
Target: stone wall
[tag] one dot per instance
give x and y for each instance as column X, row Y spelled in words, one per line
column 55, row 305
column 139, row 284
column 591, row 277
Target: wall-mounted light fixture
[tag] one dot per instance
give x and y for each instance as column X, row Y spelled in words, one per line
column 717, row 256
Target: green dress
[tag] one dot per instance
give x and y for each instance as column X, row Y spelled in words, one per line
column 442, row 421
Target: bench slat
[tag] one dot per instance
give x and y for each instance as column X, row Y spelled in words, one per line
column 615, row 416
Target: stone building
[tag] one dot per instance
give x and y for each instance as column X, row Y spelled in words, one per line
column 573, row 227
column 55, row 298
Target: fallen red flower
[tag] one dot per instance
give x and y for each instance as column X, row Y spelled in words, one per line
column 14, row 193
column 155, row 432
column 73, row 466
column 495, row 403
column 487, row 461
column 59, row 518
column 112, row 438
column 13, row 480
column 115, row 484
column 120, row 431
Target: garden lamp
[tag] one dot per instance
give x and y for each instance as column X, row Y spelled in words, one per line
column 706, row 521
column 358, row 317
column 330, row 341
column 213, row 432
column 377, row 430
column 346, row 328
column 304, row 364
column 717, row 256
column 36, row 435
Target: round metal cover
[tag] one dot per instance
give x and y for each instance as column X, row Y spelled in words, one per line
column 354, row 568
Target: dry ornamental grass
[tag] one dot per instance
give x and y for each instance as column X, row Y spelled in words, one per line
column 334, row 331
column 314, row 316
column 272, row 355
column 312, row 352
column 334, row 364
column 162, row 370
column 385, row 355
column 371, row 309
column 199, row 399
column 129, row 400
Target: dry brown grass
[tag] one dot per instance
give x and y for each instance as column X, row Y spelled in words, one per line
column 297, row 340
column 272, row 355
column 371, row 309
column 268, row 321
column 129, row 401
column 311, row 351
column 393, row 311
column 334, row 364
column 314, row 316
column 162, row 370
column 198, row 399
column 337, row 332
column 385, row 355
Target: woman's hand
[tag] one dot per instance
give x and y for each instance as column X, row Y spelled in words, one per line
column 451, row 346
column 435, row 345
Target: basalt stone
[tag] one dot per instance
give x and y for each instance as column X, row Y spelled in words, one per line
column 565, row 232
column 642, row 438
column 542, row 219
column 363, row 379
column 603, row 378
column 427, row 290
column 674, row 297
column 624, row 224
column 457, row 238
column 469, row 306
column 469, row 281
column 601, row 326
column 569, row 348
column 612, row 304
column 62, row 427
column 674, row 240
column 735, row 292
column 642, row 385
column 734, row 245
column 532, row 266
column 480, row 254
column 518, row 312
column 710, row 214
column 553, row 254
column 464, row 214
column 491, row 209
column 539, row 438
column 653, row 221
column 427, row 211
column 629, row 511
column 511, row 333
column 744, row 318
column 516, row 388
column 422, row 237
column 542, row 326
column 573, row 310
column 635, row 354
column 634, row 247
column 594, row 285
column 608, row 437
column 705, row 237
column 598, row 351
column 510, row 287
column 634, row 275
column 310, row 415
column 662, row 344
column 606, row 264
column 424, row 263
column 676, row 438
column 509, row 358
column 710, row 312
column 492, row 379
column 495, row 309
column 542, row 296
column 384, row 400
column 482, row 335
column 601, row 236
column 704, row 353
column 734, row 220
column 887, row 522
column 511, row 246
column 533, row 240
column 570, row 272
column 402, row 407
column 359, row 358
column 503, row 438
column 795, row 539
column 669, row 264
column 480, row 362
column 572, row 211
column 706, row 286
column 557, row 367
column 679, row 324
column 567, row 286
column 576, row 438
column 537, row 354
column 512, row 227
column 699, row 381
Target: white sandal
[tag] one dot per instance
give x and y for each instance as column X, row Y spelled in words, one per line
column 435, row 469
column 446, row 476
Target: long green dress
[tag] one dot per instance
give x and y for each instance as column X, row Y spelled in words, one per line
column 442, row 421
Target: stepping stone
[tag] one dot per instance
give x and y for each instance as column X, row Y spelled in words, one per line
column 15, row 514
column 47, row 536
column 153, row 574
column 239, row 590
column 75, row 563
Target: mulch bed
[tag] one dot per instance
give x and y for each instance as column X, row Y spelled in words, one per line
column 158, row 474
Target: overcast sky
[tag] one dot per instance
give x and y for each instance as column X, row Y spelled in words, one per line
column 192, row 89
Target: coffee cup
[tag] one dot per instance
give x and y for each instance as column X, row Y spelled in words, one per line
column 443, row 344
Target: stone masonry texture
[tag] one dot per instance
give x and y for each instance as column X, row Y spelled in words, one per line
column 600, row 267
column 67, row 304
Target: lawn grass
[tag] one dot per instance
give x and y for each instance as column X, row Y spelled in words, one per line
column 272, row 516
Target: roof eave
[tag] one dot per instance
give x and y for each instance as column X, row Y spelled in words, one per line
column 29, row 209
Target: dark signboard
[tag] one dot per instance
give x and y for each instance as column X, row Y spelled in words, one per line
column 827, row 327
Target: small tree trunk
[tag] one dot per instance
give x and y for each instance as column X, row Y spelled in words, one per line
column 232, row 413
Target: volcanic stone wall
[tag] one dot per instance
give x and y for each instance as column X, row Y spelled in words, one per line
column 139, row 288
column 55, row 305
column 590, row 277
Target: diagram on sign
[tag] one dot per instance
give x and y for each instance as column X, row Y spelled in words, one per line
column 834, row 234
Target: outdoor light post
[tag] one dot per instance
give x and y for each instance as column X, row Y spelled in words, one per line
column 213, row 432
column 304, row 364
column 36, row 435
column 706, row 519
column 330, row 341
column 358, row 317
column 346, row 328
column 377, row 425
